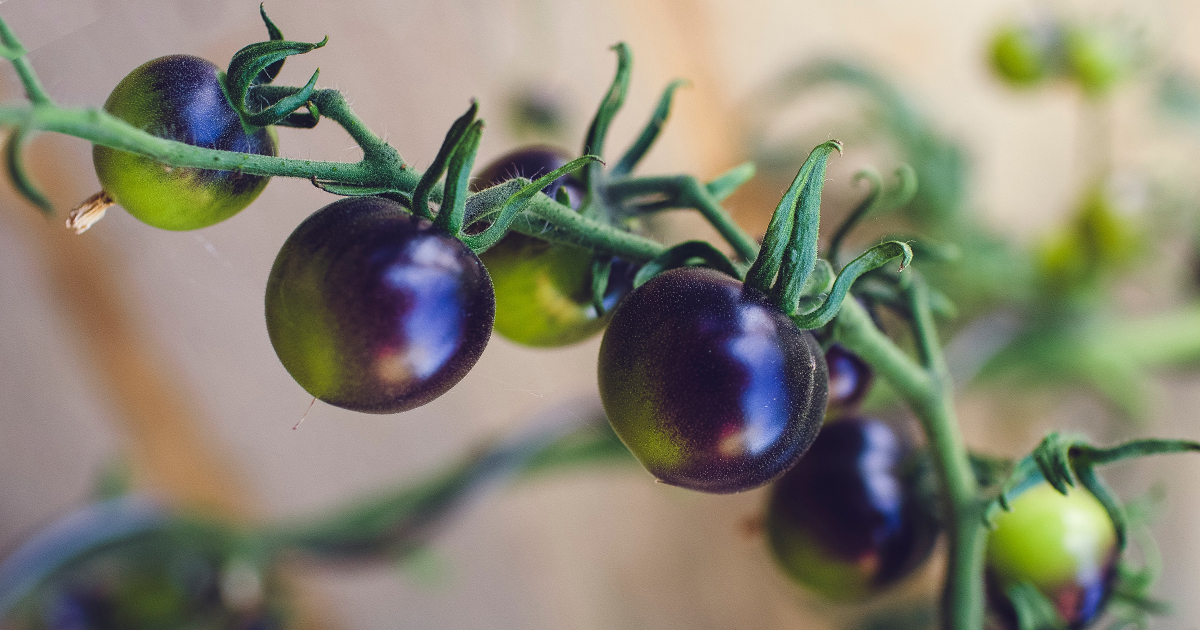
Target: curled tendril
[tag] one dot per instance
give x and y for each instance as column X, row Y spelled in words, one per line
column 878, row 199
column 875, row 257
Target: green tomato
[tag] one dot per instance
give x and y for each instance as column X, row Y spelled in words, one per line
column 544, row 290
column 1019, row 56
column 1063, row 545
column 180, row 98
column 1098, row 58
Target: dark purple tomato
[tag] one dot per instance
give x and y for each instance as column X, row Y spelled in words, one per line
column 1063, row 545
column 179, row 98
column 372, row 309
column 710, row 385
column 849, row 378
column 544, row 290
column 846, row 521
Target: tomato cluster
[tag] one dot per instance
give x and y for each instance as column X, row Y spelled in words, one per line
column 1093, row 56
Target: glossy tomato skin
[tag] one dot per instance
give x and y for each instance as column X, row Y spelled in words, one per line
column 710, row 386
column 372, row 309
column 1065, row 546
column 850, row 379
column 179, row 97
column 544, row 290
column 846, row 521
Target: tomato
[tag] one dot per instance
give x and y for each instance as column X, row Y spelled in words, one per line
column 372, row 309
column 544, row 290
column 180, row 98
column 1099, row 57
column 1020, row 56
column 710, row 385
column 849, row 379
column 846, row 521
column 1064, row 545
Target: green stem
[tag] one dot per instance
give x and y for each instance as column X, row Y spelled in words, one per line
column 685, row 191
column 930, row 395
column 15, row 52
column 381, row 166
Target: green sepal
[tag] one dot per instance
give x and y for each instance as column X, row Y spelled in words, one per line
column 352, row 190
column 817, row 286
column 301, row 120
column 1064, row 461
column 593, row 144
column 801, row 253
column 269, row 73
column 244, row 68
column 650, row 132
column 878, row 199
column 513, row 206
column 430, row 177
column 1034, row 611
column 729, row 181
column 285, row 108
column 562, row 196
column 458, row 181
column 779, row 231
column 11, row 48
column 875, row 257
column 683, row 255
column 601, row 270
column 15, row 163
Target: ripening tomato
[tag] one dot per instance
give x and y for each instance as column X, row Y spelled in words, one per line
column 180, row 98
column 850, row 379
column 846, row 521
column 372, row 309
column 710, row 385
column 1021, row 55
column 1063, row 545
column 544, row 290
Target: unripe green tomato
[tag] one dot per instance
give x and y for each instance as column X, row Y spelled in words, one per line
column 181, row 98
column 1063, row 545
column 1019, row 56
column 544, row 290
column 1097, row 58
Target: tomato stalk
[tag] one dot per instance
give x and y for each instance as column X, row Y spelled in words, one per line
column 927, row 389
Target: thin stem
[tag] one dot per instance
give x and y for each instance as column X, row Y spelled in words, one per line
column 930, row 395
column 332, row 105
column 15, row 51
column 685, row 191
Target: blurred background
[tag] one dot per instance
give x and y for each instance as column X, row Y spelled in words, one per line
column 144, row 348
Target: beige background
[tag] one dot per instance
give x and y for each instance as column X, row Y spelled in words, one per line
column 176, row 353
